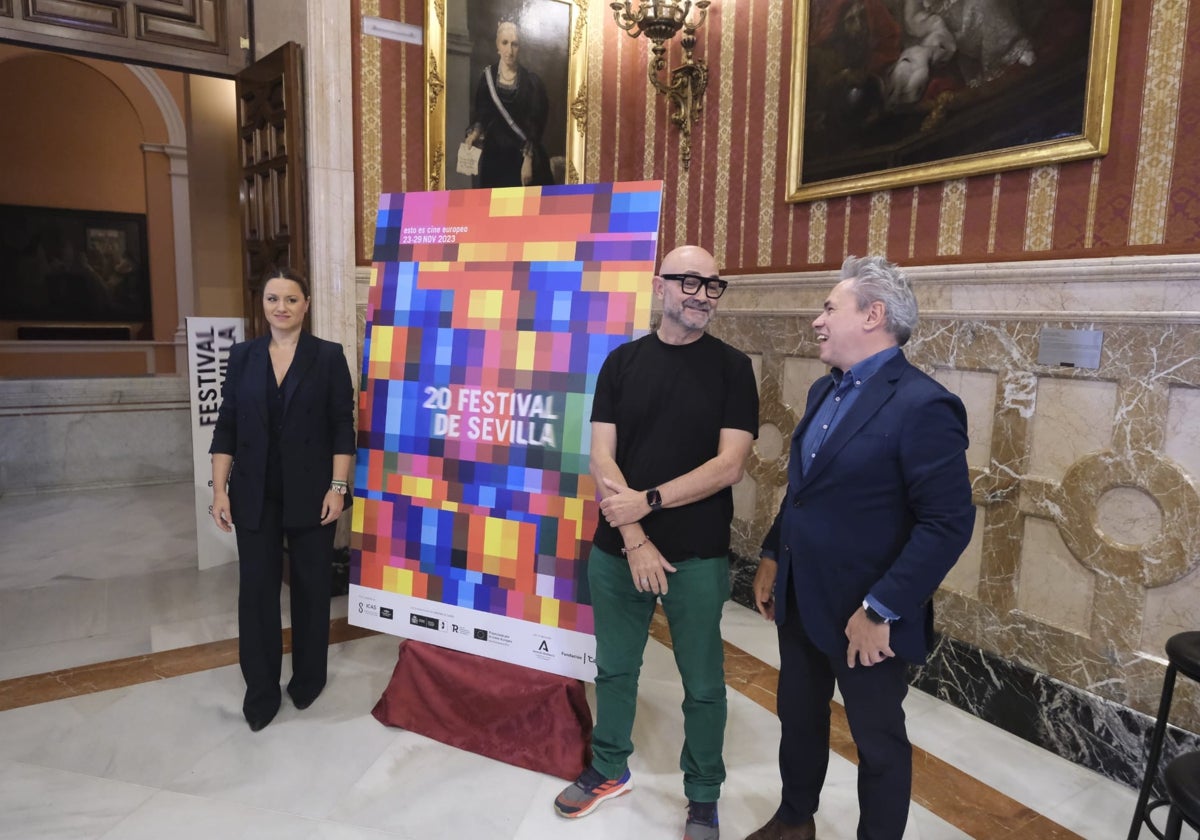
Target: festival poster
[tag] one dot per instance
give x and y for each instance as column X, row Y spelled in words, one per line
column 489, row 315
column 209, row 342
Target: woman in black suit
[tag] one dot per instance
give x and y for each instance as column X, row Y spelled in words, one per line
column 281, row 455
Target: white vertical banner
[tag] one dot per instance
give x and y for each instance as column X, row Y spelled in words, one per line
column 209, row 341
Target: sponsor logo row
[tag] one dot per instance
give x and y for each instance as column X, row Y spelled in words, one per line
column 543, row 647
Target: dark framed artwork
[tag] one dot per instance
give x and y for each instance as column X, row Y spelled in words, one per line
column 889, row 93
column 542, row 86
column 85, row 266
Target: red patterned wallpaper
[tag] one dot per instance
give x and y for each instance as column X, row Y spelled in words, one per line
column 731, row 200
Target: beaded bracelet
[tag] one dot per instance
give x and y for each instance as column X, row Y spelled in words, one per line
column 626, row 551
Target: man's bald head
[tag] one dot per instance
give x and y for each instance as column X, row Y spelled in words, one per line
column 689, row 259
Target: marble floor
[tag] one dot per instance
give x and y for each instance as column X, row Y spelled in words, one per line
column 120, row 719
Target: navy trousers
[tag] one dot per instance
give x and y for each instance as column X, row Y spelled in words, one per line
column 260, row 633
column 873, row 697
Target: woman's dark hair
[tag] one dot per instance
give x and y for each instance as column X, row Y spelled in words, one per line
column 285, row 273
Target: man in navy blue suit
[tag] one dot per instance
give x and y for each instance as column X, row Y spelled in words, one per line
column 877, row 510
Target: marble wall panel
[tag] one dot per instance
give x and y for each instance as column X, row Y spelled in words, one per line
column 745, row 492
column 964, row 576
column 798, row 375
column 1181, row 441
column 1037, row 296
column 745, row 498
column 1181, row 296
column 977, row 390
column 1127, row 515
column 1170, row 609
column 756, row 363
column 772, row 441
column 1052, row 586
column 1071, row 419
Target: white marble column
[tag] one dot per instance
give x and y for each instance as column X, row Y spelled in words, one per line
column 185, row 288
column 327, row 71
column 330, row 103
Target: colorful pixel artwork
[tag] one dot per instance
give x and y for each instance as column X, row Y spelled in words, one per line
column 489, row 316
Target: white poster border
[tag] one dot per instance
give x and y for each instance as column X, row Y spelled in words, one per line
column 567, row 653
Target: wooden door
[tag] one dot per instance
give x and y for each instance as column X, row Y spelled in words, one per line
column 270, row 96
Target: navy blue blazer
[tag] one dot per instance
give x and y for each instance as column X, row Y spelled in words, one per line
column 885, row 509
column 318, row 423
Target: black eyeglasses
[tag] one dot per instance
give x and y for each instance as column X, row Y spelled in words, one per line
column 714, row 287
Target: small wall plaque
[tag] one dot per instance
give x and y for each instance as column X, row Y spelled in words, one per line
column 393, row 30
column 1070, row 348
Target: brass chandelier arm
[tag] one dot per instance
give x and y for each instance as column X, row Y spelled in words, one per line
column 660, row 21
column 685, row 93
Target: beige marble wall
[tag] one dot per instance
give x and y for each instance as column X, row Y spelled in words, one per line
column 1085, row 554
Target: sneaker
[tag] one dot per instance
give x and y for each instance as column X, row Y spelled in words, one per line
column 588, row 791
column 701, row 822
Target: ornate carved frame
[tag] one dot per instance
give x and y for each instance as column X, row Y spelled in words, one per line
column 438, row 151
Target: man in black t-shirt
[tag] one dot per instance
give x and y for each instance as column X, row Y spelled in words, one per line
column 674, row 417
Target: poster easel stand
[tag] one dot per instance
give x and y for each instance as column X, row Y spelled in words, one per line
column 518, row 715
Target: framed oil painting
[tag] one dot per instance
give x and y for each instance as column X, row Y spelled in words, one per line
column 506, row 87
column 61, row 265
column 889, row 93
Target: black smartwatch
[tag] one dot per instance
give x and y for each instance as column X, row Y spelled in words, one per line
column 874, row 614
column 654, row 498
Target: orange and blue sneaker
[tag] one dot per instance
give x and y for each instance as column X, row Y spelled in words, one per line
column 702, row 821
column 581, row 797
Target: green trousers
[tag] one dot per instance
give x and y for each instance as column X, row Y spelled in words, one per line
column 693, row 603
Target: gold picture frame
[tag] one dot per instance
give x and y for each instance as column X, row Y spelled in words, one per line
column 553, row 45
column 883, row 99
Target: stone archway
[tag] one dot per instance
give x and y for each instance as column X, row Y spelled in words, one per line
column 161, row 135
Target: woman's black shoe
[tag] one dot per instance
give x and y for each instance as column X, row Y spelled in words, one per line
column 259, row 723
column 303, row 703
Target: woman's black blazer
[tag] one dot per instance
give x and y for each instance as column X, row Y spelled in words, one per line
column 318, row 423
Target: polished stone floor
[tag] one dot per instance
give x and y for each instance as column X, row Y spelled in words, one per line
column 120, row 719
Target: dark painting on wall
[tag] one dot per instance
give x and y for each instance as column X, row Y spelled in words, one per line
column 85, row 266
column 891, row 93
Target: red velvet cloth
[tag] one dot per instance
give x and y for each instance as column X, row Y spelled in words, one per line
column 517, row 715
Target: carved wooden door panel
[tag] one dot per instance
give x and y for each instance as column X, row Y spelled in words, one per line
column 271, row 133
column 209, row 36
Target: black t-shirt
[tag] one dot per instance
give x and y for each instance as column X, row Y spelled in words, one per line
column 669, row 404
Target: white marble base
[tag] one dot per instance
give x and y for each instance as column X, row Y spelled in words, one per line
column 59, row 434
